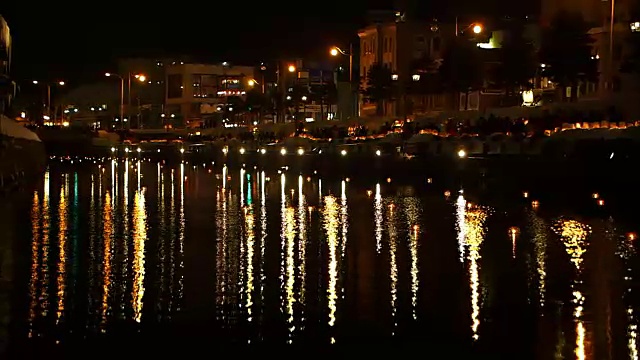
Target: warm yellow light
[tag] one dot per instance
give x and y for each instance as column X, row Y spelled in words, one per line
column 300, row 151
column 181, row 150
column 141, row 78
column 283, row 151
column 292, row 68
column 61, row 83
column 251, row 83
column 242, row 151
column 477, row 29
column 343, row 152
column 462, row 153
column 107, row 74
column 65, row 124
column 334, row 52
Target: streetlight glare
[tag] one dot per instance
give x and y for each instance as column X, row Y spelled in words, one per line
column 477, row 29
column 334, row 52
column 292, row 68
column 141, row 77
column 252, row 82
column 35, row 82
column 107, row 74
column 61, row 83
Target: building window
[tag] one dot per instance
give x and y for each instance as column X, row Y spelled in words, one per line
column 204, row 86
column 174, row 86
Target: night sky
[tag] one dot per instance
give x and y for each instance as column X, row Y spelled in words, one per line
column 78, row 41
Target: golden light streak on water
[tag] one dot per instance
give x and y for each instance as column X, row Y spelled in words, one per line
column 126, row 238
column 393, row 263
column 344, row 221
column 162, row 252
column 35, row 260
column 378, row 218
column 107, row 216
column 302, row 243
column 263, row 236
column 573, row 235
column 283, row 241
column 461, row 226
column 415, row 281
column 330, row 224
column 139, row 239
column 46, row 224
column 290, row 234
column 513, row 234
column 221, row 249
column 181, row 230
column 475, row 217
column 539, row 234
column 249, row 228
column 62, row 249
column 626, row 251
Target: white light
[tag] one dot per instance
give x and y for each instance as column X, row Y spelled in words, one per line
column 139, row 150
column 378, row 153
column 126, row 150
column 462, row 153
column 181, row 150
column 300, row 151
column 263, row 151
column 158, row 150
column 343, row 152
column 241, row 151
column 283, row 151
column 225, row 150
column 113, row 149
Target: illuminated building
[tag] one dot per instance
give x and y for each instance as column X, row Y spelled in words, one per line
column 7, row 87
column 202, row 94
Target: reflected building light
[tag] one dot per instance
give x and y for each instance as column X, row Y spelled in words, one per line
column 221, row 250
column 62, row 248
column 181, row 232
column 539, row 235
column 250, row 236
column 283, row 241
column 242, row 181
column 513, row 235
column 172, row 246
column 302, row 243
column 93, row 244
column 412, row 210
column 225, row 171
column 475, row 218
column 330, row 224
column 573, row 235
column 35, row 260
column 107, row 239
column 46, row 230
column 626, row 251
column 139, row 173
column 344, row 221
column 461, row 226
column 263, row 237
column 290, row 234
column 393, row 263
column 162, row 245
column 126, row 239
column 139, row 239
column 378, row 218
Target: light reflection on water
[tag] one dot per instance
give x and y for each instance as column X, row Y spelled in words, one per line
column 292, row 254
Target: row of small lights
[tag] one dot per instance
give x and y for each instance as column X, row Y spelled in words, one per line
column 283, row 151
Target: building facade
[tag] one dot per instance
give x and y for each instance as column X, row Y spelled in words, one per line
column 397, row 44
column 198, row 94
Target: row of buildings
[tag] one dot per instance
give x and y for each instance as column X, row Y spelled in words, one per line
column 187, row 93
column 398, row 39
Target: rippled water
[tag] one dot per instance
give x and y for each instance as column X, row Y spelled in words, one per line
column 127, row 250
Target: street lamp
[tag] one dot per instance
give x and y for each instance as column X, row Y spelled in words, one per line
column 292, row 68
column 252, row 83
column 140, row 77
column 477, row 29
column 59, row 83
column 336, row 50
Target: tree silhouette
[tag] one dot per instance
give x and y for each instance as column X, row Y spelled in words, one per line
column 379, row 87
column 631, row 59
column 424, row 80
column 566, row 51
column 518, row 63
column 461, row 69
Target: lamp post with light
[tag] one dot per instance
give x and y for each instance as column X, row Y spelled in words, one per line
column 139, row 77
column 59, row 83
column 335, row 51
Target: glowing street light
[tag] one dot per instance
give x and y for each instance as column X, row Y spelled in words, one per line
column 140, row 77
column 59, row 83
column 477, row 29
column 334, row 52
column 292, row 68
column 252, row 83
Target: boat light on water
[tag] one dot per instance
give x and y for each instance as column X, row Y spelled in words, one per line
column 300, row 151
column 283, row 151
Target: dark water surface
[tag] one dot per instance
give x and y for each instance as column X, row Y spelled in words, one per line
column 149, row 257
